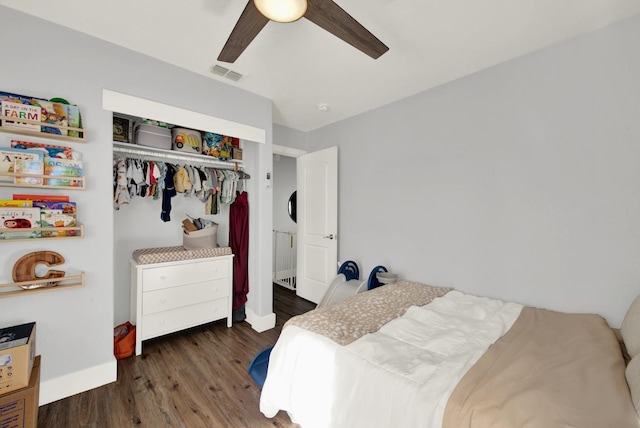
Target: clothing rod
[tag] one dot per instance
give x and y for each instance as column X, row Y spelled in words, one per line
column 200, row 160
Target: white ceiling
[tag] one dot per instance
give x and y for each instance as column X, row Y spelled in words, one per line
column 300, row 66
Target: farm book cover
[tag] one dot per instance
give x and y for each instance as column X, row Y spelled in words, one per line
column 18, row 111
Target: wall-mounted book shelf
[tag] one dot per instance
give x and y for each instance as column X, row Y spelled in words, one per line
column 78, row 232
column 6, row 183
column 81, row 138
column 43, row 285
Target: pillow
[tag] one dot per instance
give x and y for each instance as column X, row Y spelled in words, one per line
column 630, row 329
column 632, row 373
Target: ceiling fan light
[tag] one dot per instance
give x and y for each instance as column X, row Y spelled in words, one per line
column 282, row 10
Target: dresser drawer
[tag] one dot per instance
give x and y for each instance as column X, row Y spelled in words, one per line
column 184, row 295
column 180, row 274
column 188, row 316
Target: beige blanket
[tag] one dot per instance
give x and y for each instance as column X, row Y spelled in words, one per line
column 549, row 370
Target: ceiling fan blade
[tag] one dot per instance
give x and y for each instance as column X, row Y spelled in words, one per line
column 247, row 28
column 331, row 17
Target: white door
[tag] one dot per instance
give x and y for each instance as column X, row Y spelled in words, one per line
column 317, row 223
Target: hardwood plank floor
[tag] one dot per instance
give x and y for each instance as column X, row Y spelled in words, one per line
column 194, row 378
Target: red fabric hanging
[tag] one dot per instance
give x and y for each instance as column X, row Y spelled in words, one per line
column 239, row 243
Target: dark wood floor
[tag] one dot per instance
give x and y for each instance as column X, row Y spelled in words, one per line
column 195, row 378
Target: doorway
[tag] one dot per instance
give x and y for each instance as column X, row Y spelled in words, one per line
column 285, row 229
column 284, row 221
column 315, row 182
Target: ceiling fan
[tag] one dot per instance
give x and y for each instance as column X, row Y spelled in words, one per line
column 324, row 13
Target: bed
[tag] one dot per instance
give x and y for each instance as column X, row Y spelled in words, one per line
column 412, row 355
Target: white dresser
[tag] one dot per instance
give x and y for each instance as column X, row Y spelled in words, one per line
column 171, row 296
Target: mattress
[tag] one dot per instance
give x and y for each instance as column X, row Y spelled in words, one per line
column 457, row 361
column 170, row 254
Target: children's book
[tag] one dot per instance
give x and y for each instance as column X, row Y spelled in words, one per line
column 20, row 111
column 49, row 198
column 8, row 155
column 63, row 168
column 62, row 207
column 121, row 127
column 16, row 98
column 57, row 214
column 49, row 150
column 24, row 166
column 57, row 218
column 14, row 221
column 22, row 203
column 53, row 113
column 75, row 120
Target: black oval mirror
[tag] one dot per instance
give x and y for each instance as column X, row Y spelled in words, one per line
column 293, row 200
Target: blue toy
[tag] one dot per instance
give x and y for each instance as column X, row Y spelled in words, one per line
column 259, row 365
column 373, row 279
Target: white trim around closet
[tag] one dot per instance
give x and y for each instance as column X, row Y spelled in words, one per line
column 140, row 107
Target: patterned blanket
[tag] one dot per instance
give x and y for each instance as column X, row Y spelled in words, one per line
column 351, row 318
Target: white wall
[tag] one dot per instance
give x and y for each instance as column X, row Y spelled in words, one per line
column 288, row 137
column 75, row 327
column 520, row 181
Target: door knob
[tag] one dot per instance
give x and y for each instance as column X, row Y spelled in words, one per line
column 330, row 236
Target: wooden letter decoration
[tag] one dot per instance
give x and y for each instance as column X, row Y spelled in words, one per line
column 25, row 267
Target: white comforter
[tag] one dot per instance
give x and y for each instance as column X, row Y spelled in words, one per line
column 401, row 375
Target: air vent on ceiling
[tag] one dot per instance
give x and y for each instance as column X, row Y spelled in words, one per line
column 225, row 72
column 219, row 71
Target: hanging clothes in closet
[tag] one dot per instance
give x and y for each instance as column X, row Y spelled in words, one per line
column 133, row 177
column 239, row 243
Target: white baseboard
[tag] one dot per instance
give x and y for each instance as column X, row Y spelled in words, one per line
column 261, row 324
column 77, row 382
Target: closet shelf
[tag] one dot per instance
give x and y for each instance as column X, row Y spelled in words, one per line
column 15, row 288
column 81, row 131
column 80, row 180
column 150, row 153
column 79, row 233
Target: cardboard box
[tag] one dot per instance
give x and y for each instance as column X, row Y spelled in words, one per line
column 19, row 409
column 17, row 351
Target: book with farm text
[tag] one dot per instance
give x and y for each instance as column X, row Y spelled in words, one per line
column 18, row 111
